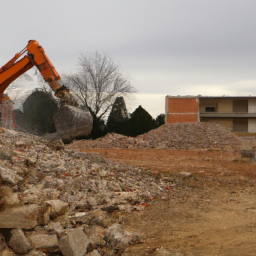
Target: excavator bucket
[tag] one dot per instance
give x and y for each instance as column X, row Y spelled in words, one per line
column 71, row 122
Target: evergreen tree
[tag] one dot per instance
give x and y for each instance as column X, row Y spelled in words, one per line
column 140, row 122
column 118, row 116
column 160, row 120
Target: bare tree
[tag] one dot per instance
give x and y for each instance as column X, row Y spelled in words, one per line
column 98, row 82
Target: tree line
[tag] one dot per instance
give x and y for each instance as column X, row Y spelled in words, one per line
column 99, row 86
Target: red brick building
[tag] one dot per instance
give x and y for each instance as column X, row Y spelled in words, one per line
column 237, row 113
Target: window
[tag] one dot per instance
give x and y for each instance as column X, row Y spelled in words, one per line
column 209, row 109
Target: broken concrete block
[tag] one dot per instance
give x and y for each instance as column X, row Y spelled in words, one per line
column 56, row 226
column 24, row 217
column 34, row 253
column 56, row 208
column 75, row 243
column 56, row 144
column 10, row 198
column 6, row 152
column 43, row 241
column 116, row 235
column 9, row 175
column 19, row 242
column 6, row 253
column 96, row 235
column 93, row 253
column 162, row 252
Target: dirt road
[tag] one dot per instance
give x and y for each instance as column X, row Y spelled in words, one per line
column 210, row 210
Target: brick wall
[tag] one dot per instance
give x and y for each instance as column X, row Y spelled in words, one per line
column 181, row 110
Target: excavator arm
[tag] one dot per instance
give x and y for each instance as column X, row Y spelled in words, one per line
column 70, row 122
column 36, row 56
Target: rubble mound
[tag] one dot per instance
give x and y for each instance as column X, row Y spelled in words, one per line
column 192, row 136
column 112, row 140
column 186, row 136
column 59, row 201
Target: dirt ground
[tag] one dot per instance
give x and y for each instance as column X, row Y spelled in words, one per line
column 210, row 212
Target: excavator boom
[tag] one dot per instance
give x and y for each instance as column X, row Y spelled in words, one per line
column 80, row 123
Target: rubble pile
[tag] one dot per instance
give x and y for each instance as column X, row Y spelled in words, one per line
column 113, row 140
column 187, row 136
column 63, row 202
column 192, row 136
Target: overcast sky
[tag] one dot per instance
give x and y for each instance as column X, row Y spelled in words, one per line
column 167, row 47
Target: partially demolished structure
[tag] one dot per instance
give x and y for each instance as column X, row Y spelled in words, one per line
column 238, row 114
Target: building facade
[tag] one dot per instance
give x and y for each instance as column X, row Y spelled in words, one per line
column 238, row 114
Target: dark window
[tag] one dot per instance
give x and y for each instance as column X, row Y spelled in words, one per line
column 240, row 106
column 209, row 109
column 240, row 125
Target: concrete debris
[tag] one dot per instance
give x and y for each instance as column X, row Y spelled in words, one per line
column 24, row 217
column 18, row 242
column 6, row 253
column 69, row 202
column 187, row 136
column 56, row 208
column 75, row 243
column 94, row 253
column 9, row 198
column 44, row 241
column 9, row 176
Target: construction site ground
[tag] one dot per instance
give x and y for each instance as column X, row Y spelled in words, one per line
column 210, row 210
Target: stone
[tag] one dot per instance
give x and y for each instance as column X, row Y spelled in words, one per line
column 34, row 253
column 24, row 217
column 18, row 242
column 30, row 162
column 96, row 235
column 117, row 237
column 6, row 152
column 10, row 198
column 75, row 243
column 56, row 207
column 6, row 253
column 43, row 241
column 9, row 176
column 56, row 144
column 83, row 206
column 163, row 252
column 185, row 174
column 92, row 202
column 56, row 226
column 20, row 143
column 93, row 253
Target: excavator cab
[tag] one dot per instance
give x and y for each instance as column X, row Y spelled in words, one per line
column 70, row 121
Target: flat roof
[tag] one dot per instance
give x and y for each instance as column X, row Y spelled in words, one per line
column 212, row 97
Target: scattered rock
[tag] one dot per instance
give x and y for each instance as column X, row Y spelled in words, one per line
column 119, row 238
column 6, row 252
column 24, row 217
column 171, row 136
column 162, row 252
column 19, row 242
column 43, row 241
column 56, row 208
column 6, row 152
column 9, row 176
column 93, row 253
column 9, row 198
column 56, row 144
column 75, row 243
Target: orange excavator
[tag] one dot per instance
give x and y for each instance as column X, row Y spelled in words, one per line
column 70, row 121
